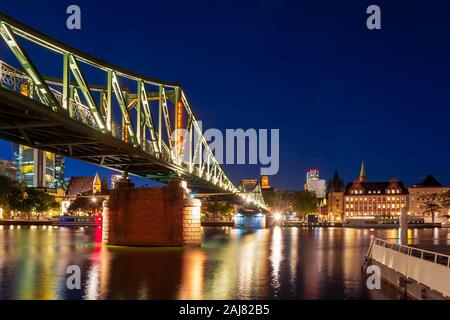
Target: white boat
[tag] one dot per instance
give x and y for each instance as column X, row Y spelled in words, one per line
column 77, row 221
column 384, row 222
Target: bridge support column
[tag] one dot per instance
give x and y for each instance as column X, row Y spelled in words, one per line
column 152, row 217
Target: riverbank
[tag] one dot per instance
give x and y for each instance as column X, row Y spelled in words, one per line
column 231, row 224
column 26, row 222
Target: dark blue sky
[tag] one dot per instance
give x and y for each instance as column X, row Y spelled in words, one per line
column 338, row 92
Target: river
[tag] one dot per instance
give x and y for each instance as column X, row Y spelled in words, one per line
column 276, row 263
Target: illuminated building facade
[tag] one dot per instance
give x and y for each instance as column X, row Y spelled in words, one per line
column 115, row 178
column 59, row 172
column 312, row 175
column 315, row 184
column 363, row 199
column 35, row 168
column 422, row 192
column 8, row 169
column 85, row 186
column 265, row 184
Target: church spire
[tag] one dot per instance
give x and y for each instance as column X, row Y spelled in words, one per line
column 362, row 174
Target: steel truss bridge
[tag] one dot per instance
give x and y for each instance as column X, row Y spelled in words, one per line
column 109, row 125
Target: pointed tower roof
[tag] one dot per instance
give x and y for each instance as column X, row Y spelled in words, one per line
column 362, row 173
column 429, row 181
column 336, row 184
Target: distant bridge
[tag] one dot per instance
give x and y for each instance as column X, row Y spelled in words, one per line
column 122, row 129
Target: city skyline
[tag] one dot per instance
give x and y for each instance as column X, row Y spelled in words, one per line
column 79, row 168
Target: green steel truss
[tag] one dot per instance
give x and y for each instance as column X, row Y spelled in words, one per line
column 150, row 129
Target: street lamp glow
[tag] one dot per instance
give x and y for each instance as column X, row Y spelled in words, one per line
column 277, row 216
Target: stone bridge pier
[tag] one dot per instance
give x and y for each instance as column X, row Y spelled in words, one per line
column 151, row 216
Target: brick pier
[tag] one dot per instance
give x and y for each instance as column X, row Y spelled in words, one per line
column 151, row 217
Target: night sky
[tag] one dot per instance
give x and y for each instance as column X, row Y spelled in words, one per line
column 338, row 92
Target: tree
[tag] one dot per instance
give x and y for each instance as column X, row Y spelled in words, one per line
column 26, row 201
column 224, row 209
column 304, row 202
column 279, row 201
column 431, row 203
column 10, row 193
column 85, row 205
column 446, row 199
column 30, row 201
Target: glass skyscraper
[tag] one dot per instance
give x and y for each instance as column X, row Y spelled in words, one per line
column 37, row 168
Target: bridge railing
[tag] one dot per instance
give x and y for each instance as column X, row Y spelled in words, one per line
column 17, row 81
column 93, row 105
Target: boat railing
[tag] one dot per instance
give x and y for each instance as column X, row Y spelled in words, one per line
column 422, row 254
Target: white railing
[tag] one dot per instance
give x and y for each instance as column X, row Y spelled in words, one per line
column 414, row 252
column 428, row 268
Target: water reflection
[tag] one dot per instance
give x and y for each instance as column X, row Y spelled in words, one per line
column 291, row 263
column 276, row 258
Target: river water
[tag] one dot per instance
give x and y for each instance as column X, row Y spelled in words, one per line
column 276, row 263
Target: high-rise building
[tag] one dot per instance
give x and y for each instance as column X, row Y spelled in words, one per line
column 312, row 175
column 59, row 171
column 315, row 184
column 365, row 199
column 265, row 185
column 37, row 168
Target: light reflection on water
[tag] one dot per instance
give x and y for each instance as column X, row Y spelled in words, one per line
column 278, row 263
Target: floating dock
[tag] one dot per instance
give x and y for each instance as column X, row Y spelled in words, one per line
column 421, row 272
